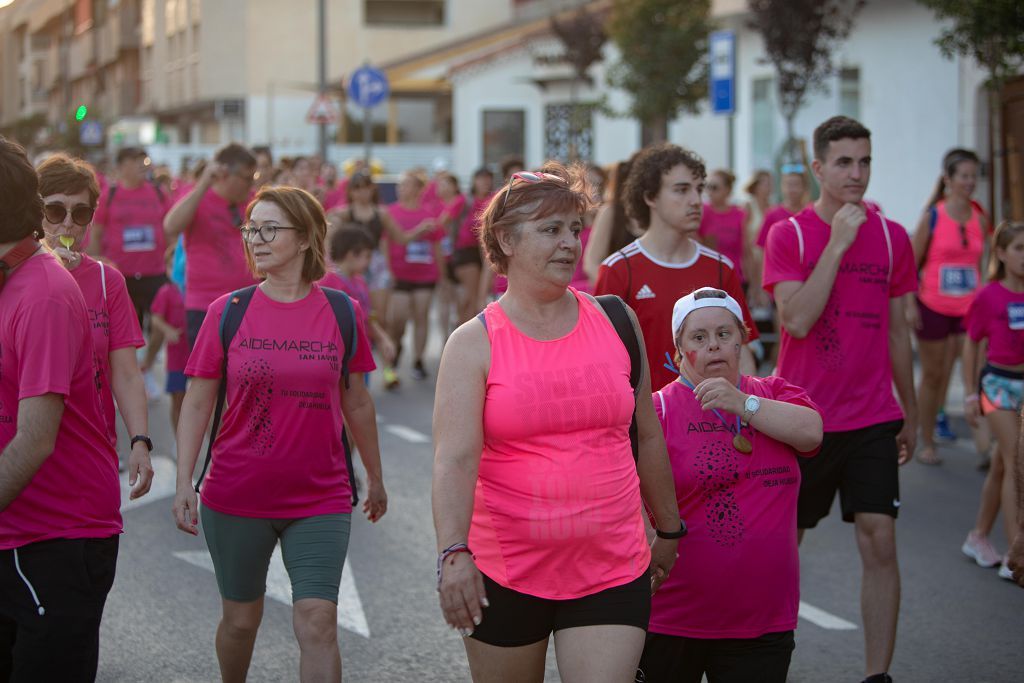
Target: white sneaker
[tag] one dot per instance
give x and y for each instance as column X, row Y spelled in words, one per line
column 979, row 549
column 1004, row 571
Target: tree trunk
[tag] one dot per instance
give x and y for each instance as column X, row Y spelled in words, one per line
column 654, row 130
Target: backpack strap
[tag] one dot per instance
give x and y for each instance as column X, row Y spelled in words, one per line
column 230, row 321
column 888, row 243
column 619, row 316
column 110, row 194
column 345, row 315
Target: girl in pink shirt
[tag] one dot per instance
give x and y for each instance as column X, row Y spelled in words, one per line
column 993, row 361
column 733, row 443
column 279, row 469
column 70, row 194
column 536, row 495
column 723, row 225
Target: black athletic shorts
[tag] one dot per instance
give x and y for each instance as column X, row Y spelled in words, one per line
column 674, row 659
column 515, row 619
column 142, row 290
column 408, row 286
column 466, row 255
column 51, row 603
column 862, row 464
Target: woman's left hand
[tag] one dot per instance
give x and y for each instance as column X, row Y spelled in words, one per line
column 664, row 552
column 376, row 503
column 718, row 393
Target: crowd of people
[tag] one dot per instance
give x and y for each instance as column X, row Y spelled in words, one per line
column 605, row 402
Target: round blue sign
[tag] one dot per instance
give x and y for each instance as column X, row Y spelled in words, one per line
column 368, row 87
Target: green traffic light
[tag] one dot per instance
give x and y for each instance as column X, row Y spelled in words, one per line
column 82, row 111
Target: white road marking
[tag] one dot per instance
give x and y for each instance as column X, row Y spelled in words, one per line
column 820, row 617
column 279, row 587
column 165, row 472
column 410, row 435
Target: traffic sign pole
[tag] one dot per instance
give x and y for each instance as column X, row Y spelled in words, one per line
column 368, row 87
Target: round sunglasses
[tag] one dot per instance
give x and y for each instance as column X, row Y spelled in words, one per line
column 81, row 215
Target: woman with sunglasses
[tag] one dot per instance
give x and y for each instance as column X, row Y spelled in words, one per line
column 730, row 610
column 723, row 224
column 536, row 495
column 70, row 193
column 949, row 243
column 279, row 469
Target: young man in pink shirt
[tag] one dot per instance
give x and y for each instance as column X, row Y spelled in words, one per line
column 59, row 491
column 210, row 216
column 128, row 229
column 838, row 271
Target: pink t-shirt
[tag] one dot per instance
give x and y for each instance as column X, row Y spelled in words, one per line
column 557, row 511
column 727, row 229
column 215, row 252
column 738, row 573
column 468, row 235
column 169, row 304
column 447, row 214
column 413, row 262
column 950, row 276
column 997, row 314
column 338, row 196
column 843, row 362
column 114, row 325
column 133, row 229
column 46, row 347
column 279, row 452
column 771, row 217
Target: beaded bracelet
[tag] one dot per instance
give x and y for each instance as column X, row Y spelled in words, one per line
column 446, row 553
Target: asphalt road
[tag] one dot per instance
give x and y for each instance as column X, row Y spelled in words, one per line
column 958, row 622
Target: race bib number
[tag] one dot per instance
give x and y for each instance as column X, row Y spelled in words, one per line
column 139, row 238
column 957, row 280
column 1015, row 312
column 446, row 247
column 418, row 252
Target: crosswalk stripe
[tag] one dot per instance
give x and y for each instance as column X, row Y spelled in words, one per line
column 820, row 617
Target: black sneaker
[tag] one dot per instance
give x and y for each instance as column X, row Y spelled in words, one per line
column 418, row 371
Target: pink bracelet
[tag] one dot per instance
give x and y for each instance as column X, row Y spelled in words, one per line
column 448, row 552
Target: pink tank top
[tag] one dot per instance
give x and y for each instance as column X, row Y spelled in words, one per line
column 557, row 512
column 950, row 277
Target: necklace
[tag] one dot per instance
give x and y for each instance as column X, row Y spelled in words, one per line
column 739, row 442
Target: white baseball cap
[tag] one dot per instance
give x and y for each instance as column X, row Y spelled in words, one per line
column 690, row 303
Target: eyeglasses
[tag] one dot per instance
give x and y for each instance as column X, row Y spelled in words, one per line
column 267, row 231
column 81, row 215
column 528, row 177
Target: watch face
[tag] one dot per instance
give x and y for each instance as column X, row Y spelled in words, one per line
column 752, row 403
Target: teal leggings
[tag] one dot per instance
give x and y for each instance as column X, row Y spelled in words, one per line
column 313, row 549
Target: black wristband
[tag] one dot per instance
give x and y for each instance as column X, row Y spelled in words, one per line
column 144, row 439
column 671, row 535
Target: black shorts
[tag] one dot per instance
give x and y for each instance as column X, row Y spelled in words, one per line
column 862, row 464
column 674, row 659
column 465, row 256
column 515, row 619
column 70, row 578
column 193, row 321
column 408, row 286
column 142, row 290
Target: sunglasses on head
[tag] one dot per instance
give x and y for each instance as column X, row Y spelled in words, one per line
column 530, row 177
column 81, row 215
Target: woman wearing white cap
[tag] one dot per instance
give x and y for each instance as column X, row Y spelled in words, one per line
column 730, row 607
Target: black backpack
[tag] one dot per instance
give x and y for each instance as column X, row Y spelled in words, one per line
column 231, row 320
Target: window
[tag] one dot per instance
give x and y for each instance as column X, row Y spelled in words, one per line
column 763, row 122
column 504, row 135
column 569, row 132
column 404, row 12
column 849, row 93
column 423, row 119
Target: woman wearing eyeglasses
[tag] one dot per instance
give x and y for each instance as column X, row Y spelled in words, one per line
column 536, row 495
column 70, row 193
column 279, row 469
column 948, row 244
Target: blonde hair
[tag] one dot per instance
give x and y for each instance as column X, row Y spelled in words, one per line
column 1006, row 233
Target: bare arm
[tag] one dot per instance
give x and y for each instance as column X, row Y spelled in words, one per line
column 182, row 214
column 399, row 236
column 902, row 359
column 36, row 436
column 971, row 362
column 600, row 241
column 196, row 409
column 130, row 393
column 361, row 418
column 919, row 242
column 797, row 426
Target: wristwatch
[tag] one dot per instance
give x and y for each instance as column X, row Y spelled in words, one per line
column 669, row 535
column 144, row 439
column 750, row 408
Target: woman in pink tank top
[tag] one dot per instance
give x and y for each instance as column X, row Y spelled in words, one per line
column 949, row 243
column 538, row 502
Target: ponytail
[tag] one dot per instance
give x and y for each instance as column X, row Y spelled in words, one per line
column 939, row 194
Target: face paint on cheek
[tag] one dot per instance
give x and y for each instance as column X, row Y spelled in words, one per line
column 691, row 357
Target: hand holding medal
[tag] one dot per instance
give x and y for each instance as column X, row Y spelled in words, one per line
column 717, row 394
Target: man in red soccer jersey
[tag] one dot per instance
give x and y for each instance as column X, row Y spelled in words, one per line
column 664, row 195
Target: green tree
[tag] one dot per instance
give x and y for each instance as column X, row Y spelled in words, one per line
column 799, row 39
column 664, row 59
column 990, row 31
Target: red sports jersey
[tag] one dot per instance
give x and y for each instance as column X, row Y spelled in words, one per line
column 651, row 287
